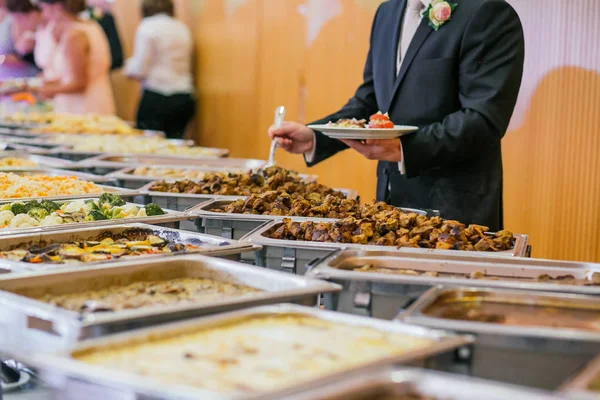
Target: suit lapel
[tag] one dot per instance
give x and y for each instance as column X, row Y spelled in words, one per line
column 422, row 33
column 388, row 67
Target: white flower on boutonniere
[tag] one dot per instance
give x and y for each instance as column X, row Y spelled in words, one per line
column 438, row 13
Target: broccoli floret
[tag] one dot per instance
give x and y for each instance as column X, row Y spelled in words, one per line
column 38, row 213
column 50, row 206
column 111, row 199
column 30, row 205
column 95, row 216
column 18, row 208
column 153, row 209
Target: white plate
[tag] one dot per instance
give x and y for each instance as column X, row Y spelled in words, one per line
column 364, row 133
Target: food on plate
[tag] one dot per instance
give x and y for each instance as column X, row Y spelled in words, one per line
column 244, row 184
column 396, row 228
column 14, row 186
column 173, row 173
column 594, row 280
column 107, row 246
column 31, row 118
column 254, row 354
column 130, row 144
column 16, row 162
column 48, row 213
column 148, row 294
column 348, row 123
column 376, row 121
column 380, row 121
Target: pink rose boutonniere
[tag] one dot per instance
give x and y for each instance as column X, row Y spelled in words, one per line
column 438, row 13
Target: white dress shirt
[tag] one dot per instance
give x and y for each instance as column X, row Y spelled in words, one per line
column 406, row 34
column 162, row 56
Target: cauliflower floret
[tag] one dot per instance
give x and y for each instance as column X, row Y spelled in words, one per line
column 6, row 217
column 51, row 220
column 141, row 213
column 130, row 210
column 23, row 221
column 74, row 206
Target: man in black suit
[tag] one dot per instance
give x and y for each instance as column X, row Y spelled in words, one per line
column 458, row 83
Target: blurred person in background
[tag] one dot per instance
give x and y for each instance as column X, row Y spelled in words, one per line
column 101, row 12
column 75, row 59
column 19, row 20
column 162, row 62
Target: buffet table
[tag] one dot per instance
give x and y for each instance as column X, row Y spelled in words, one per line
column 131, row 265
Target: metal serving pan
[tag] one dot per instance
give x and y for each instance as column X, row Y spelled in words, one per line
column 578, row 387
column 127, row 179
column 119, row 161
column 530, row 354
column 381, row 295
column 171, row 219
column 82, row 155
column 36, row 142
column 185, row 201
column 209, row 245
column 293, row 255
column 37, row 326
column 41, row 161
column 72, row 377
column 389, row 382
column 62, row 172
column 124, row 193
column 239, row 225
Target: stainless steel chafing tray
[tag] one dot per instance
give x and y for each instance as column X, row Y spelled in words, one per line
column 210, row 245
column 185, row 201
column 62, row 172
column 127, row 179
column 585, row 385
column 73, row 155
column 170, row 219
column 381, row 295
column 33, row 325
column 41, row 161
column 72, row 377
column 516, row 351
column 119, row 161
column 124, row 193
column 389, row 383
column 294, row 255
column 31, row 142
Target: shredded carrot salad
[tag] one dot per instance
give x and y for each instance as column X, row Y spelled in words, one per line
column 14, row 186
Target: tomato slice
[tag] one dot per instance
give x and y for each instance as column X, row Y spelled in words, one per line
column 381, row 124
column 379, row 117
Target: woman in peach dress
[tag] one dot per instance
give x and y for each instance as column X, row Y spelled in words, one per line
column 75, row 57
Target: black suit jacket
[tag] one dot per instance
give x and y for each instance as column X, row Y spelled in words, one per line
column 459, row 85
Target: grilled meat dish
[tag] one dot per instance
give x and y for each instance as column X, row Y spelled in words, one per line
column 245, row 184
column 392, row 227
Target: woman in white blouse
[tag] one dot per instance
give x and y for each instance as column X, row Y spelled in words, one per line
column 162, row 61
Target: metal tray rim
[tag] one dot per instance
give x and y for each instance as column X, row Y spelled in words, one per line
column 413, row 315
column 105, row 188
column 324, row 270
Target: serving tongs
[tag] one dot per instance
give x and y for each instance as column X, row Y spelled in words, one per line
column 279, row 115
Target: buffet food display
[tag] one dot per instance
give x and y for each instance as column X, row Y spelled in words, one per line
column 385, row 285
column 47, row 213
column 395, row 228
column 14, row 186
column 127, row 144
column 104, row 247
column 243, row 184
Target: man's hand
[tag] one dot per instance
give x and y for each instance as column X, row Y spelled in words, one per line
column 293, row 137
column 378, row 149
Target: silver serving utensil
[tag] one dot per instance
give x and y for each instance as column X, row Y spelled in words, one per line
column 279, row 115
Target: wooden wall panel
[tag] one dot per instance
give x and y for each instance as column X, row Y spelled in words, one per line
column 308, row 55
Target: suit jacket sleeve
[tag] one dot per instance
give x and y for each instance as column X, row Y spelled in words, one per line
column 490, row 72
column 362, row 105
